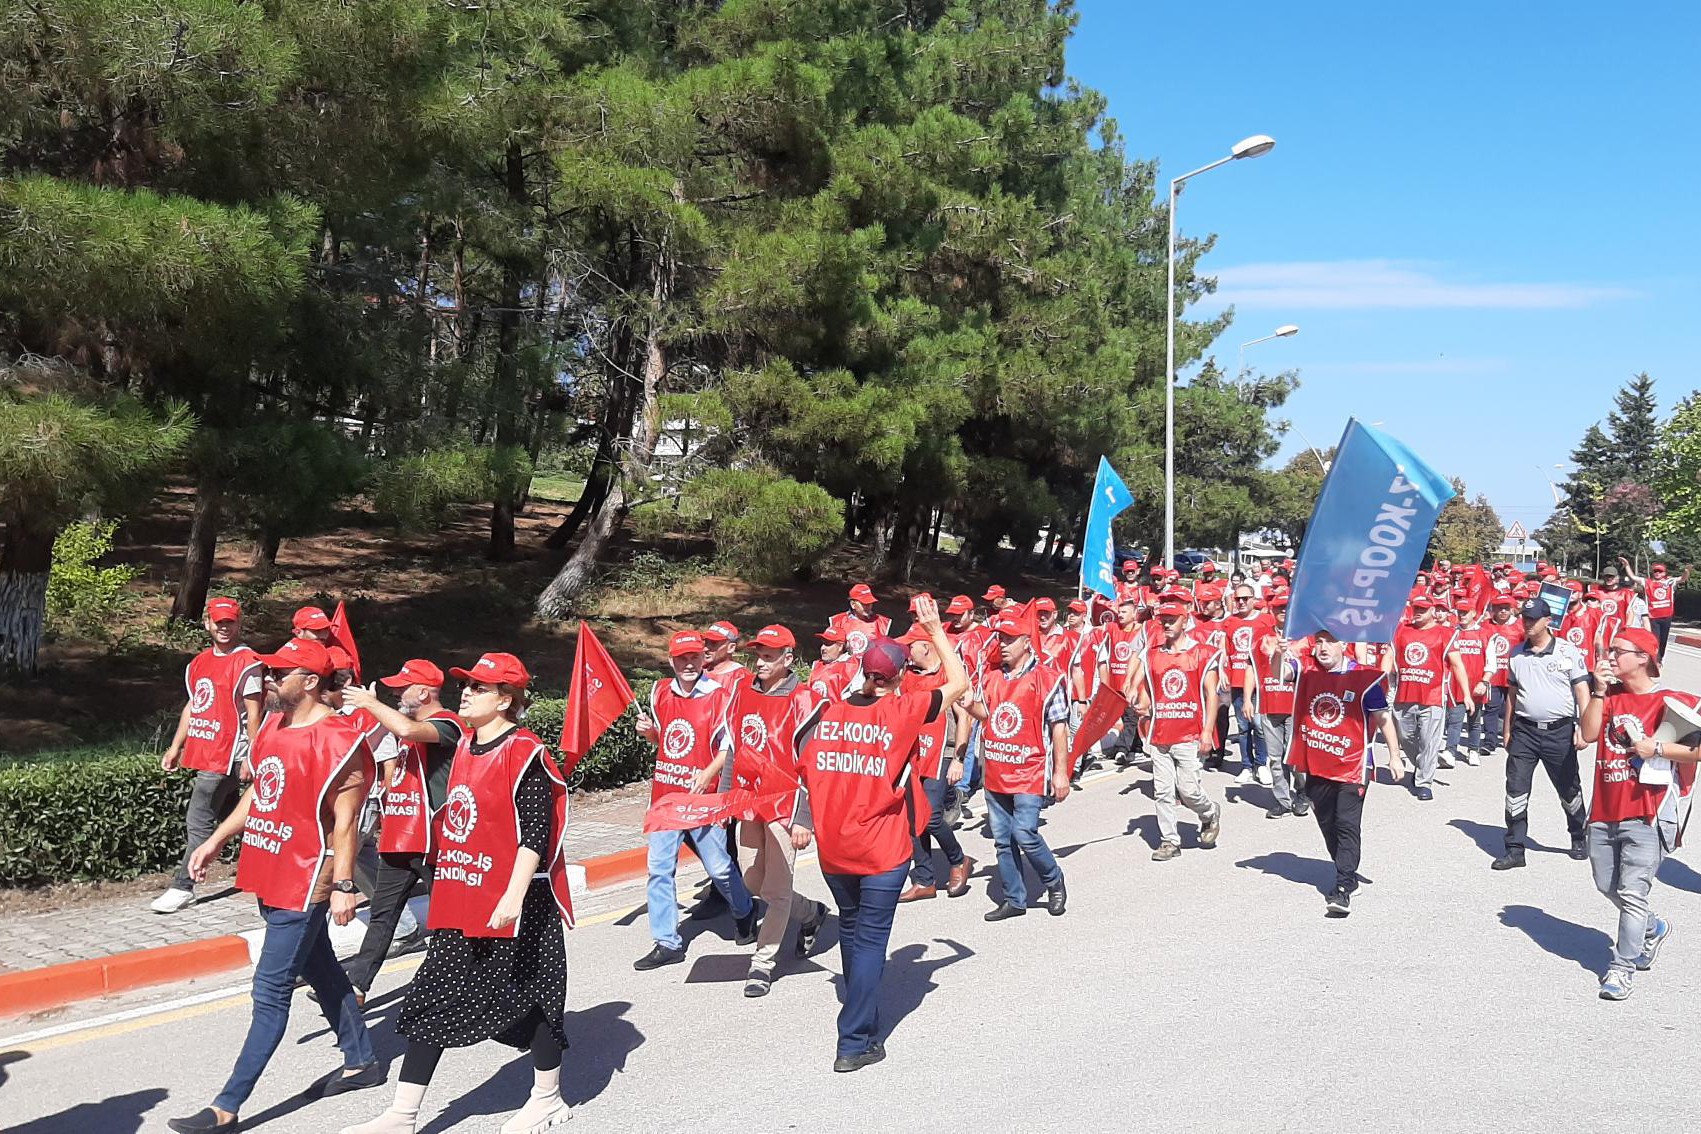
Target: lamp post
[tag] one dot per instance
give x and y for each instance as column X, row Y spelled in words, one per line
column 1286, row 332
column 1255, row 146
column 1321, row 463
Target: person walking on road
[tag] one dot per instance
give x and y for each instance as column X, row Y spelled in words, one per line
column 940, row 766
column 1175, row 692
column 218, row 723
column 300, row 826
column 1547, row 691
column 1661, row 589
column 1423, row 658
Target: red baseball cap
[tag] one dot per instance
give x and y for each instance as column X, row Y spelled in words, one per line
column 993, row 593
column 1010, row 624
column 831, row 634
column 310, row 618
column 1503, row 600
column 1130, row 564
column 1171, row 610
column 301, row 653
column 1463, row 602
column 1658, row 569
column 919, row 595
column 914, row 634
column 1043, row 603
column 685, row 642
column 960, row 604
column 1645, row 641
column 1422, row 602
column 1277, row 601
column 339, row 658
column 1208, row 565
column 1077, row 606
column 775, row 637
column 884, row 659
column 496, row 669
column 722, row 632
column 862, row 593
column 414, row 671
column 223, row 610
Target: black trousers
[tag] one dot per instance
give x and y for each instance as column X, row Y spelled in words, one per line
column 390, row 892
column 1339, row 809
column 1662, row 630
column 1551, row 748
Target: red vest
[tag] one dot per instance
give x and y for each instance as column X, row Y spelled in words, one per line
column 829, row 680
column 763, row 728
column 218, row 717
column 1420, row 664
column 1013, row 740
column 1276, row 680
column 407, row 823
column 1500, row 641
column 1120, row 647
column 687, row 726
column 1176, row 684
column 1243, row 634
column 934, row 738
column 287, row 833
column 1579, row 629
column 1473, row 651
column 1662, row 597
column 1214, row 632
column 1331, row 735
column 856, row 766
column 730, row 675
column 478, row 836
column 860, row 631
column 1626, row 718
column 1056, row 647
column 1613, row 606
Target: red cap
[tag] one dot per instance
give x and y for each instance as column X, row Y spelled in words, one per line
column 1276, row 602
column 1130, row 564
column 1171, row 610
column 831, row 634
column 1463, row 602
column 301, row 653
column 775, row 637
column 1645, row 641
column 914, row 634
column 1177, row 594
column 1503, row 600
column 414, row 671
column 1043, row 603
column 1208, row 565
column 339, row 657
column 862, row 593
column 960, row 604
column 223, row 610
column 884, row 659
column 919, row 595
column 1077, row 606
column 1422, row 602
column 310, row 618
column 993, row 593
column 1658, row 569
column 496, row 669
column 685, row 642
column 1008, row 624
column 722, row 632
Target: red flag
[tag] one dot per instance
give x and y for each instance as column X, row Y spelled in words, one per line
column 1105, row 709
column 599, row 693
column 1479, row 586
column 342, row 636
column 686, row 810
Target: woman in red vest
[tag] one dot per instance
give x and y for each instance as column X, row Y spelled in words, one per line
column 863, row 801
column 497, row 965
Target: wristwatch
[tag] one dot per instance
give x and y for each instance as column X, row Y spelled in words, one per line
column 346, row 886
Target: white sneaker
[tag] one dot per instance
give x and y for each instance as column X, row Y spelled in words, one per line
column 539, row 1114
column 172, row 900
column 1470, row 757
column 1444, row 759
column 1245, row 776
column 408, row 925
column 1263, row 774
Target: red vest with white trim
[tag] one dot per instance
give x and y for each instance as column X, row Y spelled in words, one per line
column 1175, row 682
column 218, row 717
column 287, row 833
column 763, row 728
column 830, row 680
column 687, row 727
column 407, row 822
column 1243, row 635
column 1472, row 645
column 864, row 799
column 1500, row 641
column 860, row 631
column 1013, row 739
column 932, row 741
column 1420, row 664
column 478, row 836
column 1276, row 679
column 1120, row 648
column 1331, row 734
column 1662, row 597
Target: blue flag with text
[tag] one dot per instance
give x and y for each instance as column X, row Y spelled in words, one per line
column 1366, row 539
column 1098, row 553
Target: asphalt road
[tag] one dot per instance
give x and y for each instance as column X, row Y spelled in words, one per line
column 1208, row 993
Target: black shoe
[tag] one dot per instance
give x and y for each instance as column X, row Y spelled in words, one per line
column 1124, row 760
column 1056, row 898
column 657, row 957
column 1511, row 860
column 746, row 926
column 1302, row 809
column 1424, row 794
column 203, row 1121
column 1279, row 812
column 1007, row 910
column 1338, row 904
column 413, row 942
column 1580, row 848
column 810, row 929
column 344, row 1081
column 874, row 1054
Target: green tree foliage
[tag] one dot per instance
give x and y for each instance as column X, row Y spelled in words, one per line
column 286, row 479
column 1466, row 531
column 83, row 596
column 766, row 527
column 1291, row 493
column 1608, row 500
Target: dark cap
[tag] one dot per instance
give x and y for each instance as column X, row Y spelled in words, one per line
column 1535, row 610
column 884, row 659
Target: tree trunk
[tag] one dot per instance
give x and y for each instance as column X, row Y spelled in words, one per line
column 198, row 555
column 505, row 384
column 595, row 492
column 26, row 557
column 266, row 550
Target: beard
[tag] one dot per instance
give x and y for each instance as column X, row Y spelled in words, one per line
column 274, row 702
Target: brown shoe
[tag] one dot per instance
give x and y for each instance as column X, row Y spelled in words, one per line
column 958, row 884
column 917, row 893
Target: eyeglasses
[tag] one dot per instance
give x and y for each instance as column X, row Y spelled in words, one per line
column 279, row 676
column 1614, row 651
column 479, row 689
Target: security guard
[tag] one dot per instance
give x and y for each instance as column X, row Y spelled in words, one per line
column 1548, row 691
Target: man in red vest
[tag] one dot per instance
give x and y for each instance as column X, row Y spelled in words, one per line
column 214, row 730
column 1423, row 654
column 1466, row 726
column 687, row 723
column 1338, row 705
column 1639, row 780
column 1268, row 691
column 299, row 822
column 940, row 765
column 1661, row 589
column 1244, row 625
column 834, row 673
column 1502, row 633
column 721, row 641
column 415, row 777
column 860, row 625
column 1175, row 689
column 1119, row 645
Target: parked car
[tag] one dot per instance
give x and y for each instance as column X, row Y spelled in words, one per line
column 1189, row 561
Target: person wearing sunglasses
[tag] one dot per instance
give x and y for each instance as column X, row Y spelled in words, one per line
column 1547, row 691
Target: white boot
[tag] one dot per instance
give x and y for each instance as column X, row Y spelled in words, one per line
column 543, row 1110
column 401, row 1118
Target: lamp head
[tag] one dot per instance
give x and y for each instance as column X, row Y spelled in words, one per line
column 1287, row 331
column 1256, row 146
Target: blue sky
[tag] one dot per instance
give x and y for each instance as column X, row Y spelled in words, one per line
column 1482, row 216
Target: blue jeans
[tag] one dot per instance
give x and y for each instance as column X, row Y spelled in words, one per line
column 296, row 944
column 1252, row 750
column 710, row 845
column 937, row 830
column 866, row 905
column 1015, row 832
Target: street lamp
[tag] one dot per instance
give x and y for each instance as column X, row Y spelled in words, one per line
column 1255, row 146
column 1286, row 332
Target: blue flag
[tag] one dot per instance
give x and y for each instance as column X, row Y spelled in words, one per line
column 1098, row 553
column 1366, row 539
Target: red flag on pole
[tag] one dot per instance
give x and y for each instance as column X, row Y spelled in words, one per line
column 1105, row 709
column 687, row 810
column 1479, row 586
column 342, row 636
column 599, row 693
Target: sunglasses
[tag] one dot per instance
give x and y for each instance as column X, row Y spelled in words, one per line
column 279, row 676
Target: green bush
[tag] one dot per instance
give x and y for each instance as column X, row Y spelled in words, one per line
column 766, row 527
column 82, row 597
column 417, row 491
column 620, row 757
column 110, row 818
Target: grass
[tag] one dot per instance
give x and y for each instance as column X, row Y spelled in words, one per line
column 560, row 488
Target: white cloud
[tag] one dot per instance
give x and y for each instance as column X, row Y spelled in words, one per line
column 1388, row 284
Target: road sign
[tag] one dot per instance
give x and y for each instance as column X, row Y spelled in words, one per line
column 1516, row 531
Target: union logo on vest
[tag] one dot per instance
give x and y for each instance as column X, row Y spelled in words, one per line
column 1327, row 710
column 1174, row 684
column 1416, row 653
column 202, row 698
column 679, row 738
column 460, row 814
column 1006, row 720
column 753, row 731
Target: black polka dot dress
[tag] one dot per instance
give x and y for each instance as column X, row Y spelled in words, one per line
column 472, row 989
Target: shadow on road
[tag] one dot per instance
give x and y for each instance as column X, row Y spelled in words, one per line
column 1677, row 875
column 909, row 978
column 1491, row 840
column 1589, row 949
column 120, row 1114
column 10, row 1057
column 1314, row 872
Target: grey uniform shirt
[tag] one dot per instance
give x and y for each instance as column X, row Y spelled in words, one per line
column 1543, row 681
